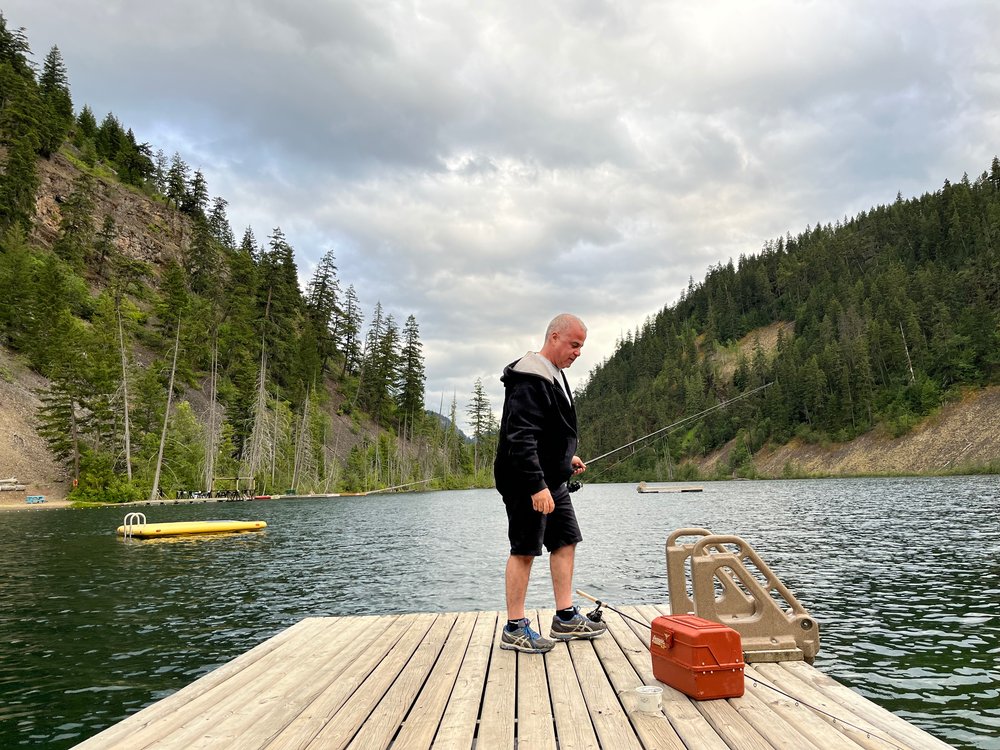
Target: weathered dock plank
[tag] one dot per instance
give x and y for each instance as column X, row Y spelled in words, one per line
column 421, row 681
column 425, row 717
column 458, row 725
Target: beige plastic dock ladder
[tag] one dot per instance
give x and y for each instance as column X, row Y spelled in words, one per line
column 731, row 584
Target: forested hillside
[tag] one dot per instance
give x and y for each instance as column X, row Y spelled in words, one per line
column 880, row 319
column 174, row 356
column 164, row 354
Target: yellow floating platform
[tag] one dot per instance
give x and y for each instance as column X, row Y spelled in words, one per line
column 175, row 528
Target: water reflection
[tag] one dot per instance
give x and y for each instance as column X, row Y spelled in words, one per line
column 903, row 574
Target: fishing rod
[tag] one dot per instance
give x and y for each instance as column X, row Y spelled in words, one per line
column 574, row 486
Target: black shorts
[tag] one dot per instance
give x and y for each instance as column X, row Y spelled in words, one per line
column 528, row 529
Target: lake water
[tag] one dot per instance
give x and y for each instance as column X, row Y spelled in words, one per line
column 903, row 575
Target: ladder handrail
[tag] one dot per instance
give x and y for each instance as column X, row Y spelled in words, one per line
column 724, row 575
column 132, row 520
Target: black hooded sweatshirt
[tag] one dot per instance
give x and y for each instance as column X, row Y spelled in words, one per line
column 538, row 434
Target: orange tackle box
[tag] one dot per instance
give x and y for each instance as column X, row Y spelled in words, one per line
column 701, row 658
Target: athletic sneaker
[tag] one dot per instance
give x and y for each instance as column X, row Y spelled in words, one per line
column 525, row 639
column 577, row 626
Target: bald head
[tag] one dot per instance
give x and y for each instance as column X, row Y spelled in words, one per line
column 561, row 323
column 563, row 340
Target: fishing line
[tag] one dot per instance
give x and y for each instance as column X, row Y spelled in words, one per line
column 836, row 719
column 597, row 616
column 573, row 486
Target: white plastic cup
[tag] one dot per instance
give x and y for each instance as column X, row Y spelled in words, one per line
column 650, row 697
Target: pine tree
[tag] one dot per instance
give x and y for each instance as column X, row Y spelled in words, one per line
column 379, row 377
column 51, row 324
column 481, row 419
column 349, row 329
column 17, row 283
column 280, row 303
column 218, row 222
column 177, row 179
column 18, row 184
column 57, row 423
column 195, row 200
column 109, row 138
column 160, row 168
column 322, row 306
column 64, row 406
column 86, row 126
column 202, row 260
column 134, row 161
column 239, row 342
column 412, row 375
column 57, row 106
column 174, row 300
column 14, row 49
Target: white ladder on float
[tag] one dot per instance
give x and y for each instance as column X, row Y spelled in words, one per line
column 131, row 521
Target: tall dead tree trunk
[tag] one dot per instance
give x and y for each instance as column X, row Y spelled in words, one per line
column 166, row 417
column 128, row 430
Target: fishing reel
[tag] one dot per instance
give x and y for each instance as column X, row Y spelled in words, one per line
column 574, row 485
column 596, row 615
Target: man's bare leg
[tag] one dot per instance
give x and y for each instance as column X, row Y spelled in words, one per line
column 516, row 578
column 561, row 567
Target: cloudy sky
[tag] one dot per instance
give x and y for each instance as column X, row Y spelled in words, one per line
column 486, row 165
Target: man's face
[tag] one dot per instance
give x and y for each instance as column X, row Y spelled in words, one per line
column 566, row 345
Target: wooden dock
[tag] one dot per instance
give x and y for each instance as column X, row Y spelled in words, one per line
column 440, row 681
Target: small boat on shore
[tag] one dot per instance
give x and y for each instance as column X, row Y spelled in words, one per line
column 643, row 487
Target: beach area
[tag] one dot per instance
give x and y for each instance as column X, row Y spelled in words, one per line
column 15, row 501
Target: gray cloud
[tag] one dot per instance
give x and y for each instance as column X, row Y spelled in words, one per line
column 485, row 167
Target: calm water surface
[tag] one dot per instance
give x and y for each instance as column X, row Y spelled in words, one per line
column 903, row 575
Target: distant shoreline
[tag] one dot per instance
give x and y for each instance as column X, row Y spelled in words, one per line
column 13, row 504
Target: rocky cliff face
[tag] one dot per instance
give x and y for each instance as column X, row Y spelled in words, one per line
column 960, row 436
column 146, row 229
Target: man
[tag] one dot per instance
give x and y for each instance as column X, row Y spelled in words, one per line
column 536, row 455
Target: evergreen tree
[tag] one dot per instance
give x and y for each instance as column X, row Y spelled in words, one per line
column 239, row 342
column 202, row 260
column 174, row 300
column 109, row 138
column 195, row 200
column 86, row 125
column 349, row 330
column 322, row 306
column 480, row 414
column 14, row 49
column 134, row 161
column 412, row 375
column 18, row 183
column 218, row 222
column 379, row 376
column 177, row 179
column 57, row 106
column 57, row 422
column 51, row 326
column 280, row 303
column 17, row 283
